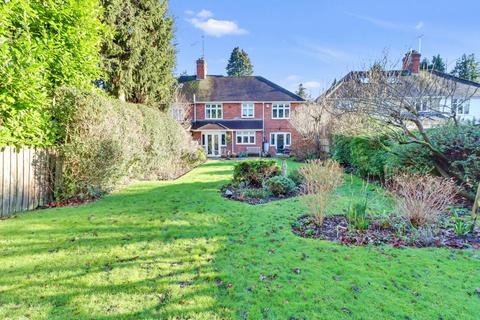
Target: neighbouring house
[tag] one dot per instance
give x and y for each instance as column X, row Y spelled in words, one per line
column 435, row 95
column 239, row 115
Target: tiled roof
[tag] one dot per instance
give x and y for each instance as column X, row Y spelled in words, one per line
column 227, row 124
column 247, row 88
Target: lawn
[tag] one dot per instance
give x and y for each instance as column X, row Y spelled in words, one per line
column 178, row 250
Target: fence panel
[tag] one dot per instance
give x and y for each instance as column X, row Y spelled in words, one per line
column 25, row 179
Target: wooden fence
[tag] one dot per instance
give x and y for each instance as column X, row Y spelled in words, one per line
column 25, row 179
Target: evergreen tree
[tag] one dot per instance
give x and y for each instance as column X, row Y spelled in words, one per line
column 467, row 67
column 424, row 65
column 302, row 92
column 437, row 64
column 239, row 64
column 139, row 57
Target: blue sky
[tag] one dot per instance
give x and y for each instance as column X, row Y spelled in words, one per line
column 314, row 42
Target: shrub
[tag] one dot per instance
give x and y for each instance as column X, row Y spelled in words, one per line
column 303, row 150
column 106, row 142
column 365, row 154
column 321, row 179
column 297, row 177
column 44, row 45
column 255, row 172
column 422, row 198
column 280, row 185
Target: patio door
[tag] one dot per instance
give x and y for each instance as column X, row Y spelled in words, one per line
column 280, row 140
column 212, row 142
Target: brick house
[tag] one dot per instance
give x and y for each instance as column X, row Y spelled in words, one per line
column 233, row 115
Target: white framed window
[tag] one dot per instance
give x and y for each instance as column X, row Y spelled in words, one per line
column 284, row 139
column 280, row 111
column 461, row 107
column 245, row 137
column 248, row 110
column 213, row 111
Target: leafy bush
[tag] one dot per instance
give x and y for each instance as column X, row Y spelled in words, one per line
column 304, row 150
column 422, row 199
column 106, row 142
column 44, row 45
column 365, row 154
column 255, row 172
column 297, row 177
column 321, row 179
column 280, row 185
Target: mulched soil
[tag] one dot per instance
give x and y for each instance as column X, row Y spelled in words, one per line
column 336, row 228
column 237, row 195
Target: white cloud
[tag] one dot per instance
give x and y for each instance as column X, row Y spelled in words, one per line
column 312, row 84
column 322, row 53
column 217, row 28
column 204, row 14
column 293, row 77
column 419, row 25
column 189, row 12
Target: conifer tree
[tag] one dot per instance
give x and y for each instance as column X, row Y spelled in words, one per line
column 139, row 57
column 467, row 67
column 239, row 64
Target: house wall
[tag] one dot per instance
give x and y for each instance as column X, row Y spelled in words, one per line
column 232, row 111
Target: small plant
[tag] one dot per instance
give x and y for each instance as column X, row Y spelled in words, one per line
column 421, row 199
column 423, row 236
column 357, row 215
column 461, row 226
column 321, row 179
column 256, row 193
column 280, row 185
column 255, row 172
column 297, row 177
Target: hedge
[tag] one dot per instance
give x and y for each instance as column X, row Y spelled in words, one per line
column 369, row 157
column 105, row 143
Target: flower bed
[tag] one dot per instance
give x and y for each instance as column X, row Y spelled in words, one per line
column 249, row 195
column 385, row 231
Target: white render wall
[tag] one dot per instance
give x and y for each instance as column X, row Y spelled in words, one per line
column 474, row 113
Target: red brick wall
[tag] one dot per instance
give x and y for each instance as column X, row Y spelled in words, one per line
column 233, row 111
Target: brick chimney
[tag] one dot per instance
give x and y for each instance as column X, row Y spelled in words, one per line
column 411, row 61
column 201, row 69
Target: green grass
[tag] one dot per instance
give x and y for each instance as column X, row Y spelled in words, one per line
column 178, row 250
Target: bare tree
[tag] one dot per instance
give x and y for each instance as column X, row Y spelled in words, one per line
column 403, row 105
column 181, row 109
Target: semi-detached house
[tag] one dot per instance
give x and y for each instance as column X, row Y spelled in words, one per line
column 234, row 115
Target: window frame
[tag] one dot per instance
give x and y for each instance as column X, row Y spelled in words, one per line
column 273, row 138
column 283, row 106
column 247, row 104
column 464, row 106
column 246, row 134
column 217, row 107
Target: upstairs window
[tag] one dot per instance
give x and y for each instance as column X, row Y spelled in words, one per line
column 280, row 111
column 213, row 111
column 248, row 110
column 461, row 107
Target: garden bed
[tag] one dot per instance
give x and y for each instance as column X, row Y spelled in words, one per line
column 253, row 195
column 382, row 232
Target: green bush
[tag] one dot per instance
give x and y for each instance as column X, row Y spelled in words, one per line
column 255, row 172
column 280, row 185
column 106, row 142
column 365, row 154
column 256, row 193
column 43, row 45
column 296, row 176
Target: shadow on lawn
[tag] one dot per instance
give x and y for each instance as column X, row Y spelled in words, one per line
column 158, row 245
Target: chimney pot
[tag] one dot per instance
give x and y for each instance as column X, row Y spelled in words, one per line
column 201, row 69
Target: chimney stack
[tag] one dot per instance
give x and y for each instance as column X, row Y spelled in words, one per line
column 411, row 61
column 201, row 69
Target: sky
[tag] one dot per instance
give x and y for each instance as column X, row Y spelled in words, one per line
column 315, row 42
